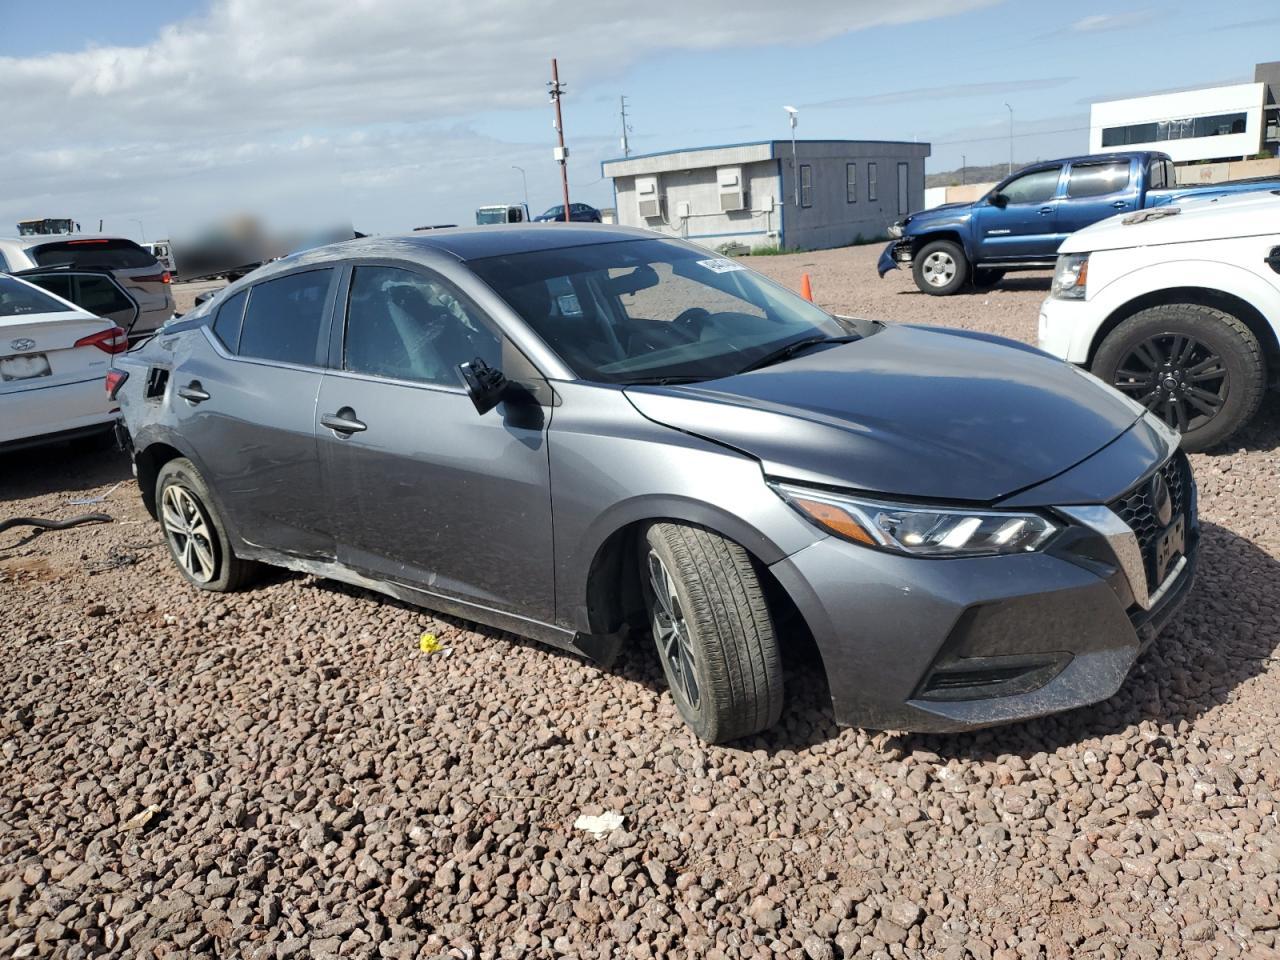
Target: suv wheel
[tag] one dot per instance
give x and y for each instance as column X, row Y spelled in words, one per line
column 940, row 268
column 1201, row 370
column 713, row 631
column 194, row 531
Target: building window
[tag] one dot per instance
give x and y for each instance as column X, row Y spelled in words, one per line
column 806, row 185
column 1188, row 128
column 904, row 194
column 871, row 181
column 851, row 183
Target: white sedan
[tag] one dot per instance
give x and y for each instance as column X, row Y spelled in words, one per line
column 54, row 360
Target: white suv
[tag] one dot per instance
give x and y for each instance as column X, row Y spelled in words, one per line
column 1178, row 307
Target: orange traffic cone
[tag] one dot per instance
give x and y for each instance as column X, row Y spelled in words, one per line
column 806, row 288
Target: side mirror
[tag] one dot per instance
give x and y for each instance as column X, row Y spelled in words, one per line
column 998, row 200
column 485, row 385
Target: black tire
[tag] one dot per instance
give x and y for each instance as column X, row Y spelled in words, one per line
column 1200, row 369
column 984, row 278
column 724, row 644
column 179, row 486
column 940, row 268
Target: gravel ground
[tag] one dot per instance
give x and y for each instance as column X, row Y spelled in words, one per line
column 283, row 773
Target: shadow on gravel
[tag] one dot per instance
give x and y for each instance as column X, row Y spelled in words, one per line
column 1261, row 433
column 62, row 468
column 1032, row 283
column 1226, row 633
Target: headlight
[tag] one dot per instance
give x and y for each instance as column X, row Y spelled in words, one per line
column 895, row 230
column 919, row 530
column 1070, row 276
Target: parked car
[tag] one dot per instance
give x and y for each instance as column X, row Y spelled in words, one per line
column 578, row 213
column 141, row 276
column 1020, row 223
column 1178, row 307
column 54, row 360
column 587, row 433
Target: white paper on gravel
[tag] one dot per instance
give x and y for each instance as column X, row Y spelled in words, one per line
column 598, row 826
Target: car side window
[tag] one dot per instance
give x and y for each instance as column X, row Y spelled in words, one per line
column 413, row 326
column 1097, row 179
column 230, row 317
column 1038, row 186
column 1155, row 175
column 283, row 317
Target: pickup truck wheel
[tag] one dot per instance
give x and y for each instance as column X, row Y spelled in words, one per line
column 985, row 279
column 1201, row 370
column 713, row 631
column 940, row 268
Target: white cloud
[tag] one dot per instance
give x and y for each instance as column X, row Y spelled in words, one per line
column 272, row 100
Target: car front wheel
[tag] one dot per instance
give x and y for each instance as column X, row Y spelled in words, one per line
column 195, row 532
column 940, row 268
column 714, row 634
column 1198, row 368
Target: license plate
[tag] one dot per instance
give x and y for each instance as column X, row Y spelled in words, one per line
column 1170, row 546
column 25, row 367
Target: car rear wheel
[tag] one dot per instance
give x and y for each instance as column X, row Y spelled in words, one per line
column 713, row 630
column 1199, row 369
column 194, row 531
column 940, row 268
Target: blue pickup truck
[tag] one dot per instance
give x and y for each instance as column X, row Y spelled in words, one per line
column 1019, row 224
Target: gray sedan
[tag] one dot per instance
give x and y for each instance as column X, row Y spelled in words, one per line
column 593, row 435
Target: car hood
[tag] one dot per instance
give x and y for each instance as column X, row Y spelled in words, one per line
column 909, row 411
column 949, row 212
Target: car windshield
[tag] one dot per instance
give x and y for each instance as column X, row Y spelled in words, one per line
column 491, row 215
column 18, row 299
column 652, row 310
column 556, row 211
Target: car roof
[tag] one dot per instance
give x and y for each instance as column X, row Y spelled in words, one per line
column 474, row 243
column 26, row 243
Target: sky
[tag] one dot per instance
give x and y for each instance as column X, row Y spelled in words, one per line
column 157, row 117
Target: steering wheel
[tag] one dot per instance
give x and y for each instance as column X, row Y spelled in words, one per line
column 690, row 319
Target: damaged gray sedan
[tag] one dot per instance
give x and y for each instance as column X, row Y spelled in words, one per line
column 593, row 435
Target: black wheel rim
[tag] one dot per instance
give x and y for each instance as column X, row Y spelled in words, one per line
column 671, row 632
column 1179, row 378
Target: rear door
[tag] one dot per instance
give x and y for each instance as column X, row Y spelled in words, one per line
column 245, row 396
column 425, row 490
column 142, row 276
column 1097, row 190
column 94, row 290
column 1023, row 224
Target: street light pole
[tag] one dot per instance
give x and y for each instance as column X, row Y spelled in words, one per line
column 795, row 170
column 964, row 163
column 525, row 180
column 561, row 153
column 1010, row 139
column 140, row 228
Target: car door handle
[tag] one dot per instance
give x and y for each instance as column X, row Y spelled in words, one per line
column 1120, row 204
column 344, row 422
column 193, row 393
column 1045, row 211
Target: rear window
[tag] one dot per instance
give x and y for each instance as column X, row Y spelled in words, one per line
column 282, row 321
column 116, row 254
column 1098, row 179
column 18, row 299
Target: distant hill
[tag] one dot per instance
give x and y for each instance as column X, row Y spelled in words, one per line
column 987, row 173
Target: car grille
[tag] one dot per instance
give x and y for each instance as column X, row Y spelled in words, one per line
column 1137, row 510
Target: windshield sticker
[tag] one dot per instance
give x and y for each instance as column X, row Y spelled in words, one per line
column 720, row 265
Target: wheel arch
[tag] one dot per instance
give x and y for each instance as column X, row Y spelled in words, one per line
column 1204, row 296
column 922, row 241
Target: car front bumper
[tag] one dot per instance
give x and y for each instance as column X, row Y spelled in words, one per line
column 1067, row 329
column 943, row 645
column 898, row 252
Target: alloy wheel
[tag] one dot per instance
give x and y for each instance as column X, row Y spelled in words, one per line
column 939, row 268
column 671, row 632
column 187, row 528
column 1177, row 377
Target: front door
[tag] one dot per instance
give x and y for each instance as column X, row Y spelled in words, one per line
column 1022, row 223
column 1094, row 192
column 245, row 400
column 427, row 491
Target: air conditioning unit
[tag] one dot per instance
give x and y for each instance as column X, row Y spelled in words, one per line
column 733, row 192
column 647, row 198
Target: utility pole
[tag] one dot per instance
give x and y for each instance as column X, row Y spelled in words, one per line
column 1010, row 139
column 964, row 163
column 525, row 181
column 561, row 152
column 795, row 170
column 626, row 146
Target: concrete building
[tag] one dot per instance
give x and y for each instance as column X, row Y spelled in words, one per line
column 836, row 192
column 1231, row 122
